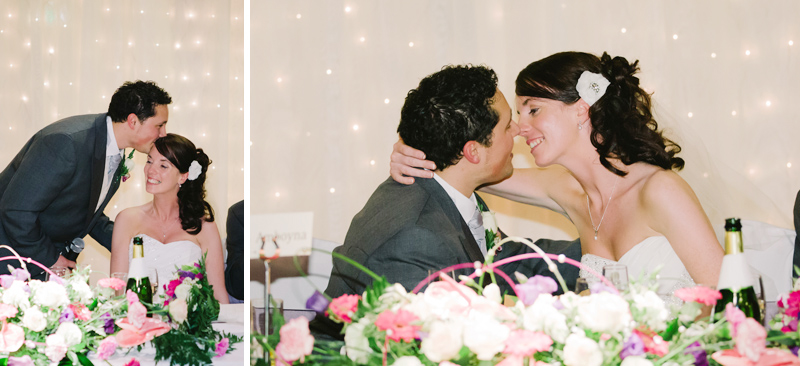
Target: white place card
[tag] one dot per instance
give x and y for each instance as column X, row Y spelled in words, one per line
column 292, row 231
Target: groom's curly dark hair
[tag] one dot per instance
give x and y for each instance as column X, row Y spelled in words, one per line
column 137, row 97
column 448, row 109
column 191, row 196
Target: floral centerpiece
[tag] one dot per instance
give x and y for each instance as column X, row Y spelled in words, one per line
column 462, row 323
column 67, row 322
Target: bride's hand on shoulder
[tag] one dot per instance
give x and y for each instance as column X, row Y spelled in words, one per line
column 408, row 162
column 674, row 210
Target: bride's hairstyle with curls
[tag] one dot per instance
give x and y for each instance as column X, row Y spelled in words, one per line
column 623, row 126
column 191, row 196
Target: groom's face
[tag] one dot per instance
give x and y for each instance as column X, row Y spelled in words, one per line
column 147, row 131
column 498, row 155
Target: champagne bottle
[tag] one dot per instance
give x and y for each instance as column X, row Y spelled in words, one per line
column 138, row 282
column 735, row 279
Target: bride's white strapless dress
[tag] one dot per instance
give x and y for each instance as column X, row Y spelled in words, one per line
column 158, row 255
column 642, row 259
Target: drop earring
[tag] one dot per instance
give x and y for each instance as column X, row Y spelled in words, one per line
column 580, row 126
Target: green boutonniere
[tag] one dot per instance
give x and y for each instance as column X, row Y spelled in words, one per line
column 490, row 226
column 127, row 165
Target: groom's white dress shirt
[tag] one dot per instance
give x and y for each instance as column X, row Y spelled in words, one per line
column 468, row 208
column 112, row 149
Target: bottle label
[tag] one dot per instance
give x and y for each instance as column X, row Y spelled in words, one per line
column 735, row 273
column 136, row 268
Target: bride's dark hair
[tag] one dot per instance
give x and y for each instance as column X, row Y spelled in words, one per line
column 623, row 126
column 191, row 196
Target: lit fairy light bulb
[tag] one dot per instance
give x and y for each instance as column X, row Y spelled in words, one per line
column 333, row 190
column 51, row 50
column 372, row 162
column 789, row 164
column 733, row 113
column 347, row 9
column 355, row 127
column 690, row 114
column 386, row 101
column 713, row 55
column 280, row 80
column 624, row 30
column 747, row 53
column 277, row 194
column 410, row 44
column 177, row 45
column 768, row 103
column 362, row 39
column 328, row 71
column 791, row 43
column 24, row 98
column 299, row 16
column 674, row 36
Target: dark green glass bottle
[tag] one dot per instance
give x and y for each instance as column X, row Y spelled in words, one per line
column 735, row 279
column 138, row 282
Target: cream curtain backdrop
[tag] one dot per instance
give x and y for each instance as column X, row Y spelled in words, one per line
column 330, row 77
column 64, row 58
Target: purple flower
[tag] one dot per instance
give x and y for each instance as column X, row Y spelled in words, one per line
column 197, row 265
column 66, row 316
column 632, row 347
column 700, row 356
column 794, row 350
column 317, row 302
column 185, row 274
column 20, row 361
column 20, row 274
column 529, row 291
column 108, row 327
column 598, row 287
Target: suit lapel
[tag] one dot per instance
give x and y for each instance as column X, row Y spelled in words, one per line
column 467, row 240
column 98, row 163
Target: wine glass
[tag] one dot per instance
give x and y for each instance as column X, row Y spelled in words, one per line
column 583, row 286
column 617, row 274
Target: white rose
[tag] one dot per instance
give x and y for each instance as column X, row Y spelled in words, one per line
column 605, row 312
column 56, row 347
column 582, row 351
column 651, row 310
column 16, row 295
column 407, row 361
column 183, row 290
column 356, row 344
column 70, row 332
column 636, row 361
column 443, row 341
column 178, row 310
column 83, row 290
column 485, row 336
column 34, row 319
column 395, row 293
column 489, row 222
column 543, row 316
column 50, row 294
column 492, row 292
column 690, row 311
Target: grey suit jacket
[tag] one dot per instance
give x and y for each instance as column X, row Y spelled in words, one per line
column 49, row 191
column 406, row 230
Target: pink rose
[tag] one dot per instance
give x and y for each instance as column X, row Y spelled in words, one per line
column 296, row 341
column 107, row 348
column 343, row 307
column 11, row 337
column 80, row 311
column 7, row 311
column 112, row 283
column 137, row 314
column 398, row 325
column 222, row 347
column 751, row 339
column 525, row 343
column 132, row 297
column 734, row 317
column 699, row 294
column 133, row 335
column 133, row 362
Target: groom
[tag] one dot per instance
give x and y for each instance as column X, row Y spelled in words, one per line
column 54, row 191
column 462, row 122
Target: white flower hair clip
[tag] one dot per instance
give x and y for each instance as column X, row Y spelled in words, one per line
column 591, row 86
column 194, row 170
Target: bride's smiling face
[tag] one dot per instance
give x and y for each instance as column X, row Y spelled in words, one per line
column 161, row 175
column 547, row 127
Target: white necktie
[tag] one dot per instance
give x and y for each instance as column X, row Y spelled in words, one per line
column 476, row 227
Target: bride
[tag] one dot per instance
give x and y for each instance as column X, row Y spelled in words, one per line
column 603, row 164
column 177, row 226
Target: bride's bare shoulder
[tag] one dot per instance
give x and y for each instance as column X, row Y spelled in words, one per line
column 134, row 214
column 662, row 186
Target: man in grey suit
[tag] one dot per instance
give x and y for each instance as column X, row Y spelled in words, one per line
column 462, row 122
column 54, row 191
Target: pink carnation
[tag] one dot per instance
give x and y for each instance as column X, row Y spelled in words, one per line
column 222, row 347
column 296, row 341
column 525, row 343
column 751, row 339
column 398, row 325
column 112, row 283
column 107, row 348
column 80, row 311
column 791, row 305
column 172, row 285
column 7, row 311
column 133, row 362
column 699, row 294
column 734, row 317
column 343, row 307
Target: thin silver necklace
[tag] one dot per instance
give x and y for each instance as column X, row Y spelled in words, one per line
column 596, row 228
